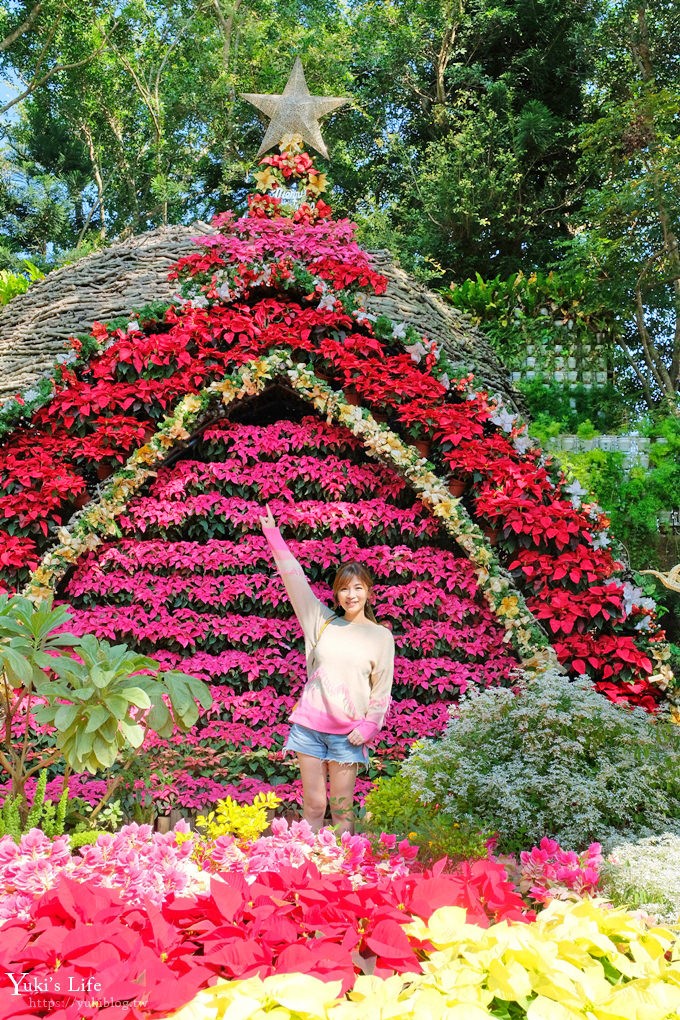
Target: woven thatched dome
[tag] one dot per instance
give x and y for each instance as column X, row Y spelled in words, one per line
column 132, row 273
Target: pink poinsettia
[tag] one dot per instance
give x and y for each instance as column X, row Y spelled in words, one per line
column 549, row 872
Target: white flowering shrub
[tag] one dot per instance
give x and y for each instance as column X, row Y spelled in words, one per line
column 646, row 875
column 554, row 759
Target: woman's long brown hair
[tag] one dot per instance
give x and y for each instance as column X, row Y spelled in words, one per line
column 345, row 572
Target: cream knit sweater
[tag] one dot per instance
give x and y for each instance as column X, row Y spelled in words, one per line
column 349, row 665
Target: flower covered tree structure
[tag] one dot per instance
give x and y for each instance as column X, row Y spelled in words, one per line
column 267, row 379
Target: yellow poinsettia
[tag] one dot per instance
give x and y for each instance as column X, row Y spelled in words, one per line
column 292, row 143
column 144, row 455
column 483, row 556
column 281, row 995
column 317, row 184
column 191, row 404
column 302, row 994
column 265, row 180
column 509, row 606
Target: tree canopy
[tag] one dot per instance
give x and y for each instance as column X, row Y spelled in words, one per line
column 483, row 136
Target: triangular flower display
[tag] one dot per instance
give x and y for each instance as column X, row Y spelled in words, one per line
column 190, row 579
column 270, row 327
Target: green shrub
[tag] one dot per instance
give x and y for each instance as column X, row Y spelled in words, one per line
column 78, row 839
column 393, row 807
column 12, row 284
column 556, row 408
column 555, row 759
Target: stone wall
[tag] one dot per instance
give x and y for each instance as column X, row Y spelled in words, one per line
column 635, row 448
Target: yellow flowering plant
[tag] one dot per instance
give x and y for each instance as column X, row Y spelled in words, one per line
column 577, row 961
column 245, row 821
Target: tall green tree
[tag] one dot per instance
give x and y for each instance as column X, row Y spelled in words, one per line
column 457, row 150
column 627, row 233
column 154, row 113
column 473, row 104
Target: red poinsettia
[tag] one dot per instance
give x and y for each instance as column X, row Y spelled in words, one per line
column 84, row 953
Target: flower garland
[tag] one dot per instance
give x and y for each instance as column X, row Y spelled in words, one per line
column 92, row 525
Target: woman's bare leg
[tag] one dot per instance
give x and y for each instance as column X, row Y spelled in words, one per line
column 313, row 775
column 343, row 777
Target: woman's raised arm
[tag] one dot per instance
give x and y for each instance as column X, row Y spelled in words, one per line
column 310, row 611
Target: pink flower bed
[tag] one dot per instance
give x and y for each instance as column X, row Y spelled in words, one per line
column 548, row 872
column 150, row 866
column 217, row 609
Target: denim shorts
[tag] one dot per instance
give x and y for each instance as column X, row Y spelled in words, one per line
column 326, row 746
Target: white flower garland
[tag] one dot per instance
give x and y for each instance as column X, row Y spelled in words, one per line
column 94, row 523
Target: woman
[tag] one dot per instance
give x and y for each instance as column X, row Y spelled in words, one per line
column 350, row 663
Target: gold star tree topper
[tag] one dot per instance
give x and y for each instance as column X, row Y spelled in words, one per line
column 295, row 112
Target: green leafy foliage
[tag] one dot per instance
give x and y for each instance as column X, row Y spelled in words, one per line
column 45, row 815
column 555, row 409
column 29, row 637
column 12, row 284
column 547, row 310
column 392, row 806
column 626, row 229
column 101, row 699
column 103, row 705
column 634, row 500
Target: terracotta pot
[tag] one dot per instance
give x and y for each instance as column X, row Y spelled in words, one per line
column 162, row 823
column 492, row 534
column 351, row 395
column 104, row 471
column 82, row 500
column 379, row 415
column 423, row 446
column 457, row 486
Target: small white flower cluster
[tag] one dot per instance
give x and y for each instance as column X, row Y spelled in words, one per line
column 501, row 417
column 363, row 317
column 509, row 422
column 66, row 358
column 633, row 598
column 327, row 302
column 421, row 348
column 576, row 493
column 645, row 874
column 601, row 539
